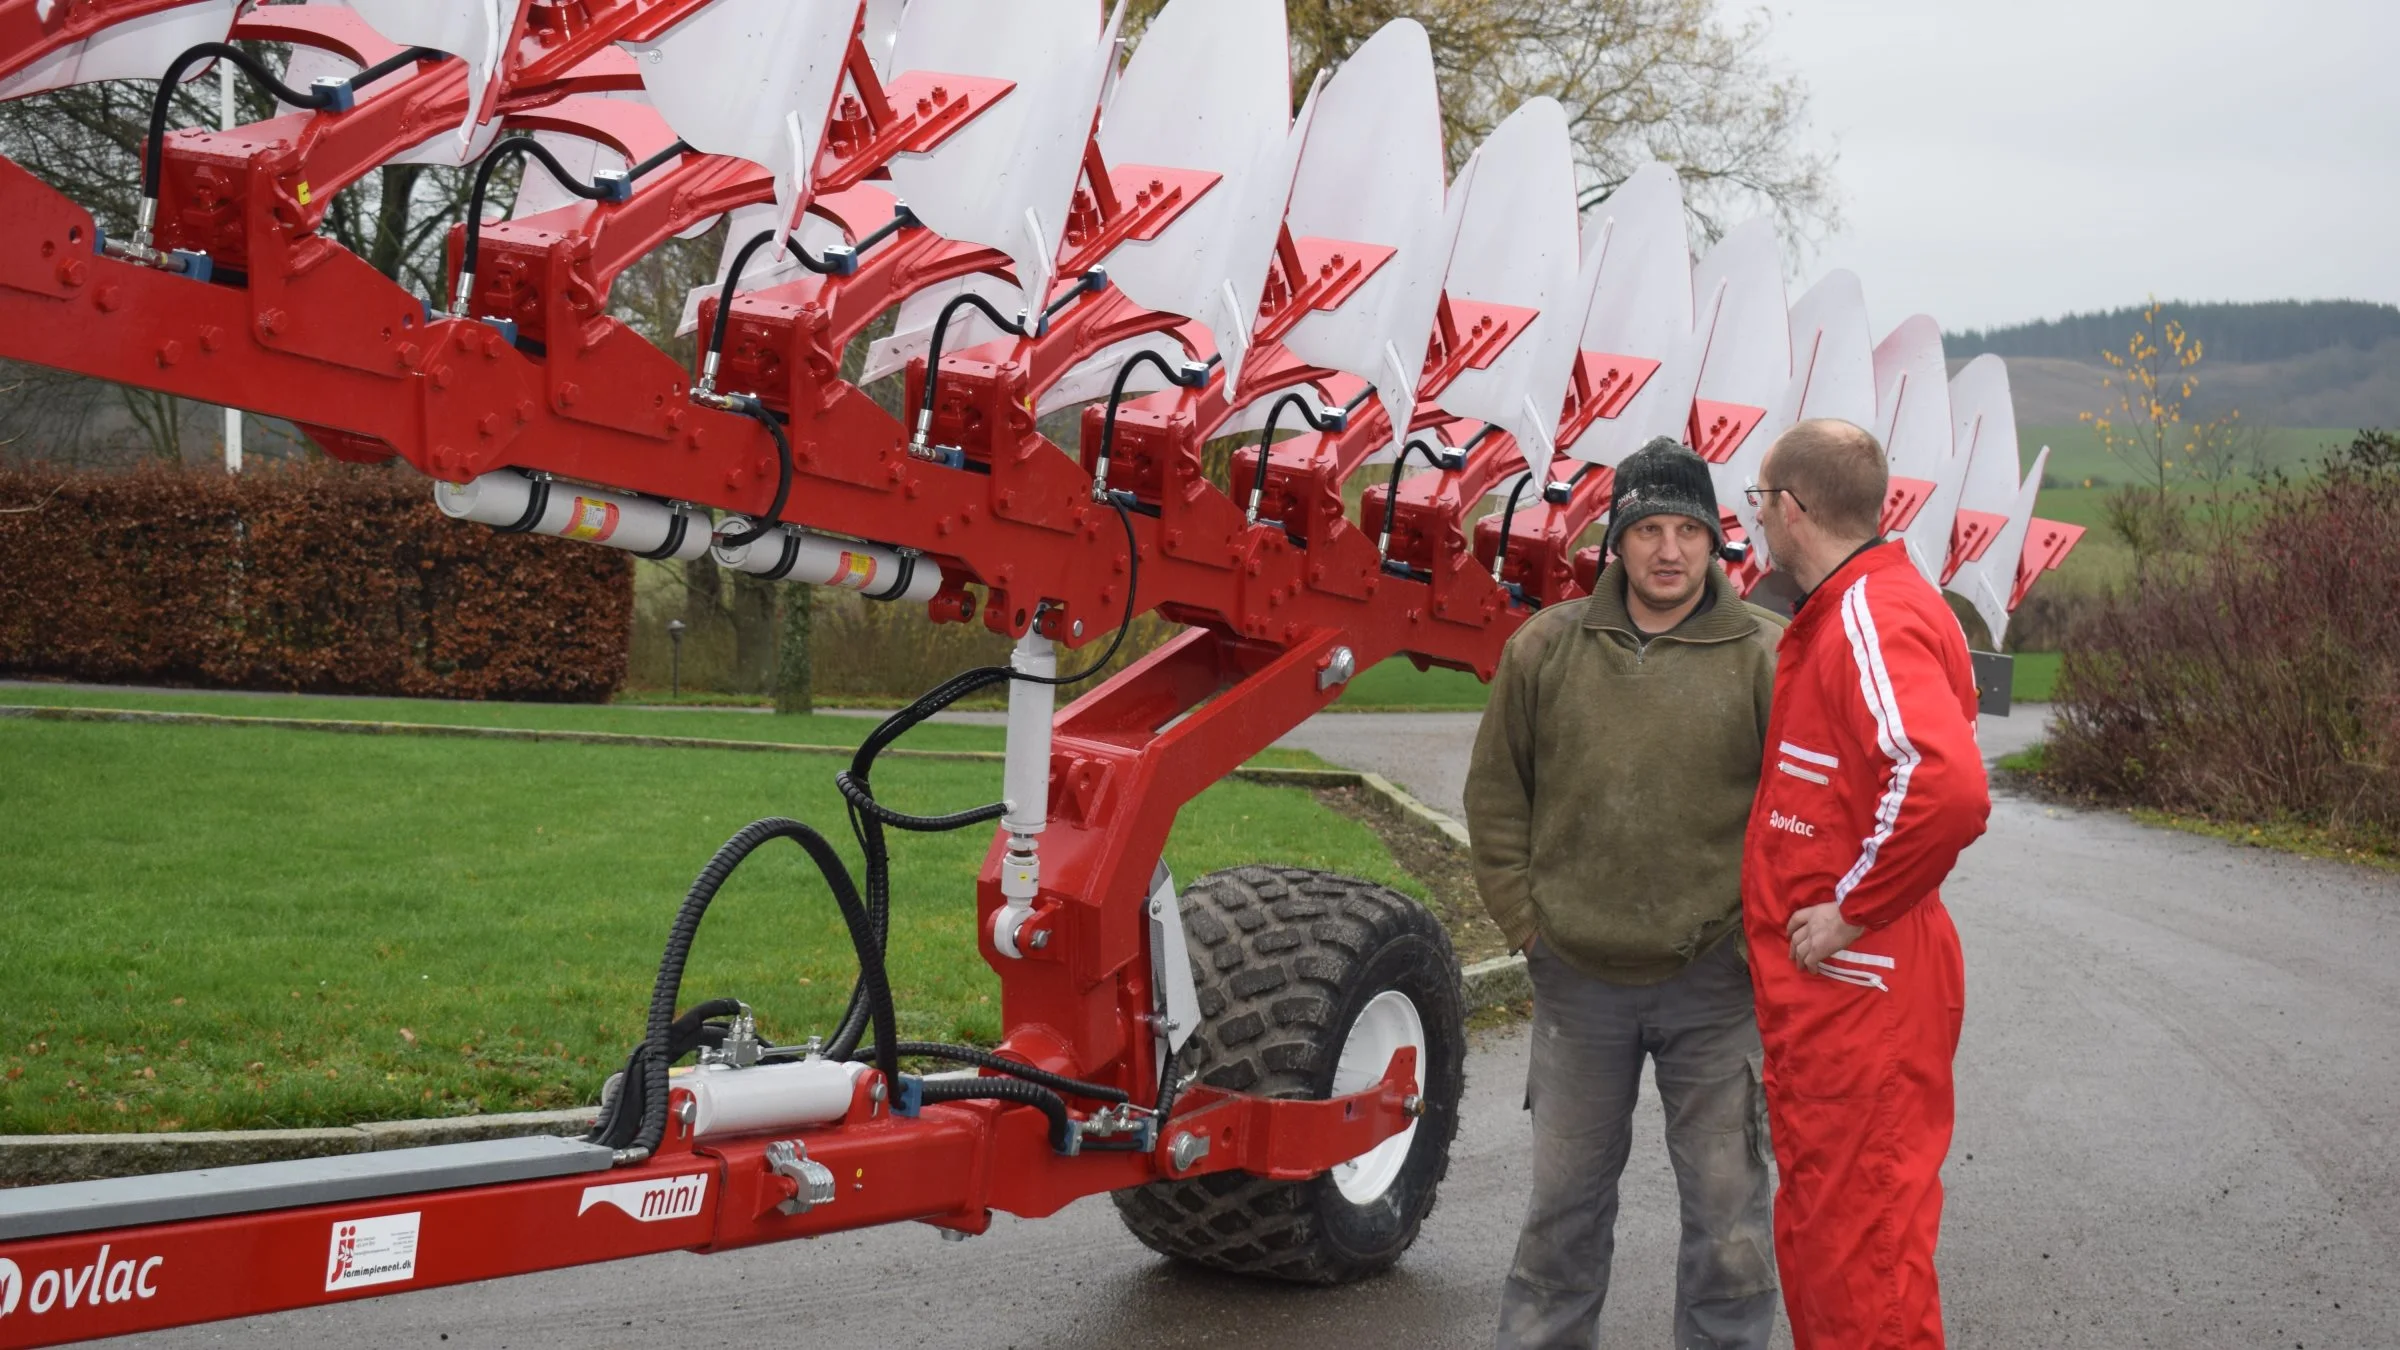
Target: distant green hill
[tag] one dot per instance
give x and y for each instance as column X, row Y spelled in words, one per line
column 2240, row 333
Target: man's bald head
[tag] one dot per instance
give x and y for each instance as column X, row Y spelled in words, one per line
column 1837, row 471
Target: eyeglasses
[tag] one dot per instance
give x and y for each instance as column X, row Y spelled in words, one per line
column 1753, row 492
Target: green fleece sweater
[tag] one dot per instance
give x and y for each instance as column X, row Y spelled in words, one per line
column 1612, row 780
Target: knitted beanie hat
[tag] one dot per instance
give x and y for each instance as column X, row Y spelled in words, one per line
column 1663, row 478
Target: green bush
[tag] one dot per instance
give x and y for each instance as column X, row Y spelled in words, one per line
column 2258, row 680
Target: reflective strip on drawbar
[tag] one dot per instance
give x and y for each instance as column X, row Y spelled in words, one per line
column 173, row 1197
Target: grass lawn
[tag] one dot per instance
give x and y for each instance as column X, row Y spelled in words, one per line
column 2076, row 452
column 2087, row 473
column 2034, row 676
column 216, row 928
column 1397, row 686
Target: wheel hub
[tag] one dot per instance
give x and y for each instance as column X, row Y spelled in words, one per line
column 1387, row 1023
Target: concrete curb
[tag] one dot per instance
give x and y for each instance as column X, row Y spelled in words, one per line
column 1489, row 984
column 1485, row 984
column 149, row 717
column 42, row 1159
column 1415, row 810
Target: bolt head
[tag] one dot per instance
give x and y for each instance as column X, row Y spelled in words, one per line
column 1186, row 1149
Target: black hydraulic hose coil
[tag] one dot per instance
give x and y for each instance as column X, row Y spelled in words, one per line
column 867, row 828
column 862, row 798
column 747, row 840
column 688, row 1033
column 741, row 261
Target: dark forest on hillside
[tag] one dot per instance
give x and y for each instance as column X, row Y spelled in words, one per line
column 2271, row 331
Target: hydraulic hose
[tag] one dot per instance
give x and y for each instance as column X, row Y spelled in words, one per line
column 933, row 356
column 825, row 267
column 985, row 1059
column 1062, row 1128
column 750, row 406
column 602, row 190
column 861, row 797
column 314, row 100
column 868, row 817
column 869, row 831
column 828, row 266
column 1391, row 491
column 1266, row 439
column 1508, row 517
column 653, row 1056
column 689, row 1032
column 1116, row 397
column 1093, row 280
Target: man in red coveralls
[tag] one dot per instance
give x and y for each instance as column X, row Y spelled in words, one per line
column 1875, row 784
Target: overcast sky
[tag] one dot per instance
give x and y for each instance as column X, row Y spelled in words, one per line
column 2004, row 160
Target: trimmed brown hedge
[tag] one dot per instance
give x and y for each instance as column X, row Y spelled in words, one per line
column 322, row 578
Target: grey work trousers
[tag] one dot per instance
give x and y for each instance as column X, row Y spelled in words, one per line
column 1589, row 1040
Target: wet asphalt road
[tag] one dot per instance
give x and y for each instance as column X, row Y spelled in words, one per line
column 2179, row 1125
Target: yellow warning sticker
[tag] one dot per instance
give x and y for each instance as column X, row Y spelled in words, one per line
column 854, row 570
column 593, row 518
column 304, row 194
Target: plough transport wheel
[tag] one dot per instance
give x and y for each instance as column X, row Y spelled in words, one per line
column 1308, row 982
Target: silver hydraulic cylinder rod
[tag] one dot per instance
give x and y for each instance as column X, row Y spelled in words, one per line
column 505, row 498
column 1025, row 785
column 789, row 553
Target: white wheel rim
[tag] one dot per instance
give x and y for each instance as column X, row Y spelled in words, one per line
column 1388, row 1022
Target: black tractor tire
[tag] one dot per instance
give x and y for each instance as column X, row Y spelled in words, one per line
column 1284, row 959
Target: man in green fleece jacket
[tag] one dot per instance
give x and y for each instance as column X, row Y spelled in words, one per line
column 1607, row 800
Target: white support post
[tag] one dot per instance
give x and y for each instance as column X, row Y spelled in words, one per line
column 233, row 416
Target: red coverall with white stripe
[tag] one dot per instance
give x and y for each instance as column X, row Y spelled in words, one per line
column 1872, row 787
